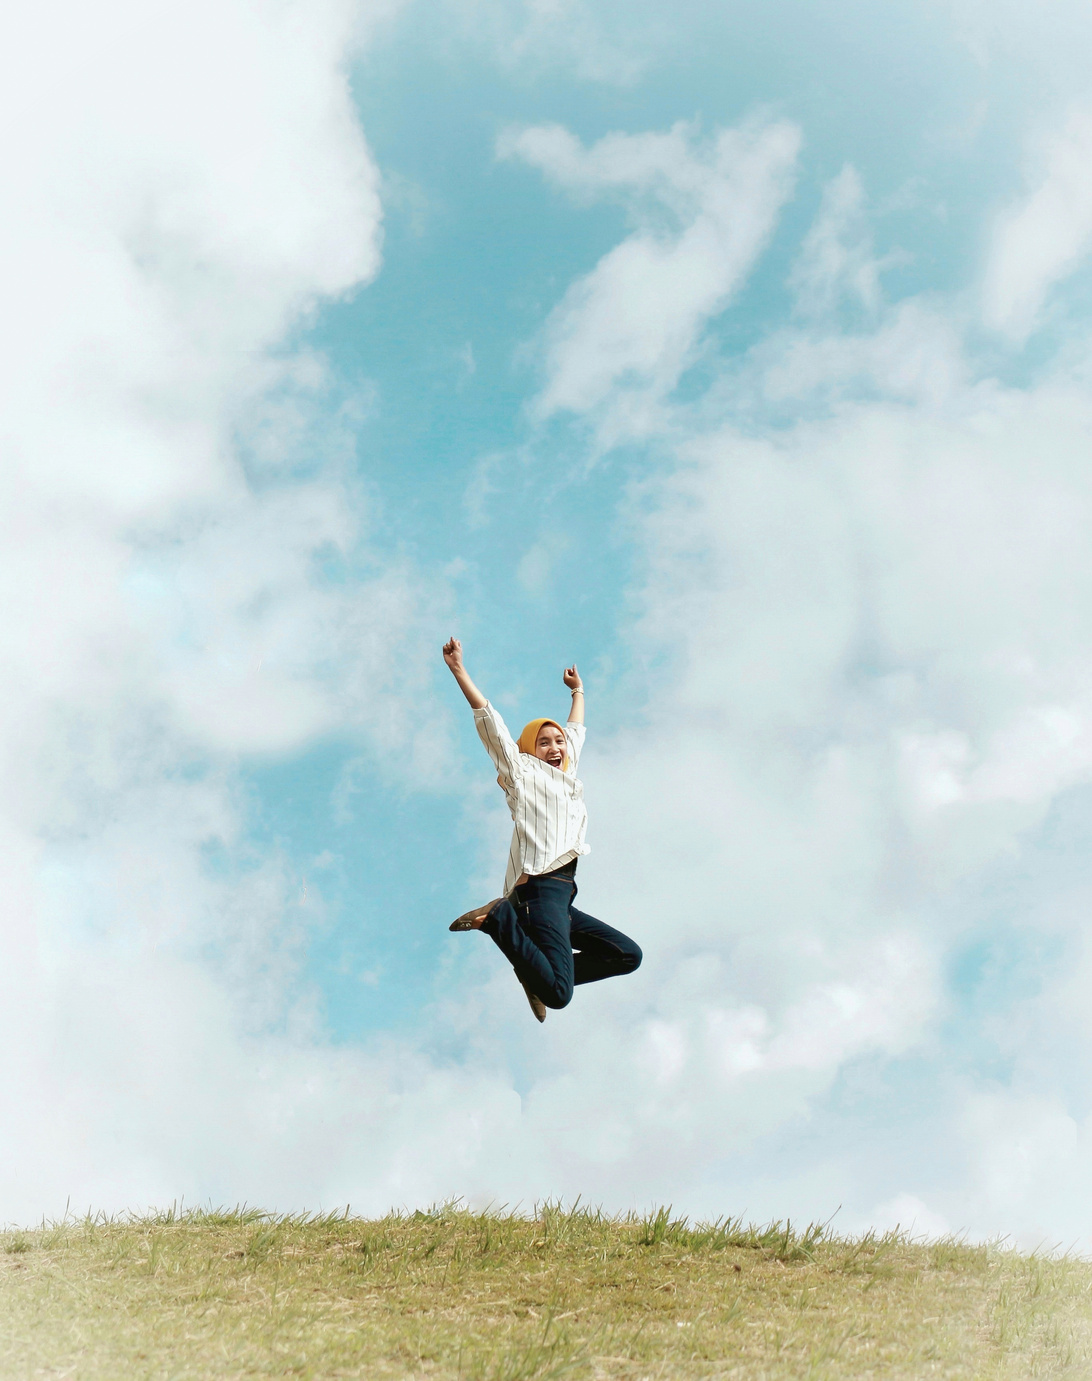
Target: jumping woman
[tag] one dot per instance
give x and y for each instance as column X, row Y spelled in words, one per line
column 535, row 925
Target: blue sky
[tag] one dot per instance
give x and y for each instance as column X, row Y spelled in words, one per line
column 439, row 348
column 476, row 252
column 740, row 357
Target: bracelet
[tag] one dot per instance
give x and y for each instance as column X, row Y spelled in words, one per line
column 579, row 690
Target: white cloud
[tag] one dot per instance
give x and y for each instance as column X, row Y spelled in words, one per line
column 907, row 1213
column 836, row 257
column 863, row 639
column 914, row 352
column 536, row 566
column 703, row 210
column 1042, row 239
column 1030, row 1156
column 185, row 184
column 1038, row 53
column 861, row 635
column 583, row 40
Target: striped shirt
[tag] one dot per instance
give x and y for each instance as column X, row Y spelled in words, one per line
column 547, row 804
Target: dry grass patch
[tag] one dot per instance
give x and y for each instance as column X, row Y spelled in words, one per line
column 457, row 1296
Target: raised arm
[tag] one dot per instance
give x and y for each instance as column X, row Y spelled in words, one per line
column 574, row 683
column 453, row 656
column 491, row 728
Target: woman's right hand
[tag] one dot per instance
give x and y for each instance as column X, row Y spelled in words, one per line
column 453, row 654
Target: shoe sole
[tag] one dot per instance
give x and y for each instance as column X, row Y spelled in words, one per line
column 472, row 920
column 538, row 1007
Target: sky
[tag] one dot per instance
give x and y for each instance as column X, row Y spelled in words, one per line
column 741, row 355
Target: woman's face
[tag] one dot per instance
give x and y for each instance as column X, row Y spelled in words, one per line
column 550, row 745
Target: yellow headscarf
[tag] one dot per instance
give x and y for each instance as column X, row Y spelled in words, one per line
column 529, row 737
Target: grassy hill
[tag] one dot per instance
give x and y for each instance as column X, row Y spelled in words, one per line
column 498, row 1297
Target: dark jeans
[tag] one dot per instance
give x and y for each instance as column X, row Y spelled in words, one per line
column 538, row 929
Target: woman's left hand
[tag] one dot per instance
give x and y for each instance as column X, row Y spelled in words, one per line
column 572, row 679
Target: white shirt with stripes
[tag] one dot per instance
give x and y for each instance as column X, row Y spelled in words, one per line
column 547, row 804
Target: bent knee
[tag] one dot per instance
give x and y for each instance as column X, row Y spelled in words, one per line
column 560, row 997
column 632, row 959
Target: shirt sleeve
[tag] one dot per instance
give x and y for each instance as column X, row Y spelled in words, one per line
column 574, row 735
column 499, row 743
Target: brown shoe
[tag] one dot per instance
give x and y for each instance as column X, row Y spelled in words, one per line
column 472, row 920
column 537, row 1004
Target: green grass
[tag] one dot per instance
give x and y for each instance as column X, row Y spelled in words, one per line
column 459, row 1296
